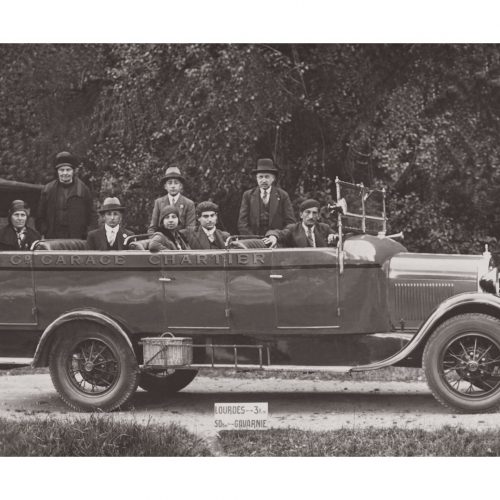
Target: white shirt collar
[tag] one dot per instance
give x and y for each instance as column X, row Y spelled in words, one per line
column 111, row 230
column 174, row 198
column 209, row 232
column 306, row 228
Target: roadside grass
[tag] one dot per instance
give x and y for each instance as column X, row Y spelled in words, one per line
column 96, row 437
column 394, row 374
column 370, row 442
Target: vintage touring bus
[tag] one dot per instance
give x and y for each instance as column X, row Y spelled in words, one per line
column 96, row 319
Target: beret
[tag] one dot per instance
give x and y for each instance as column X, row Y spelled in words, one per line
column 310, row 203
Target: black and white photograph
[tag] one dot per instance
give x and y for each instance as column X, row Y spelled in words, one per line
column 218, row 247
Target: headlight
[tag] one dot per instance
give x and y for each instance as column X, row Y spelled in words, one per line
column 489, row 281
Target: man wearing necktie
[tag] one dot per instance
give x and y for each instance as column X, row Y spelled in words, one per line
column 307, row 233
column 206, row 236
column 266, row 206
column 112, row 235
column 173, row 182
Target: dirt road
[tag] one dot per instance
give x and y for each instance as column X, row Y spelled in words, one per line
column 304, row 404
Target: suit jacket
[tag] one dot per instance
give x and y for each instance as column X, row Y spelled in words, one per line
column 187, row 217
column 79, row 207
column 197, row 238
column 8, row 238
column 97, row 240
column 295, row 236
column 280, row 210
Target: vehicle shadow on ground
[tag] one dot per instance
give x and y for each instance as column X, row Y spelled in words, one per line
column 299, row 403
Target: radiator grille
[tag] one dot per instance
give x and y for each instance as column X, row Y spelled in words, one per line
column 415, row 301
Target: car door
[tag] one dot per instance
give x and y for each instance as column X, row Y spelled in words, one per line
column 194, row 283
column 305, row 283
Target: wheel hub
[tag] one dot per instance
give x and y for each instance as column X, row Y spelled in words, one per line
column 88, row 366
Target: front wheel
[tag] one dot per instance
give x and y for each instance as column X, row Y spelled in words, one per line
column 93, row 369
column 166, row 382
column 462, row 363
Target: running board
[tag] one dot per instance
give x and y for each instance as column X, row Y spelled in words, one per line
column 16, row 361
column 266, row 368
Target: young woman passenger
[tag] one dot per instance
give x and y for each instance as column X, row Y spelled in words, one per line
column 168, row 236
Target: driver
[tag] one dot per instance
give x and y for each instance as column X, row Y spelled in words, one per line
column 307, row 233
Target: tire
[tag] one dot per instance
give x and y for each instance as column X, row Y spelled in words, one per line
column 93, row 369
column 461, row 361
column 164, row 382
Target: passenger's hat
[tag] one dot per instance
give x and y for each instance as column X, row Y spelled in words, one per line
column 310, row 203
column 111, row 204
column 19, row 206
column 265, row 165
column 65, row 159
column 172, row 173
column 169, row 209
column 206, row 206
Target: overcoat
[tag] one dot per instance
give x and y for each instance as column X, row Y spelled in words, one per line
column 280, row 210
column 187, row 217
column 79, row 208
column 97, row 239
column 8, row 238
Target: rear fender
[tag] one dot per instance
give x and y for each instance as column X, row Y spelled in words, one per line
column 43, row 347
column 479, row 302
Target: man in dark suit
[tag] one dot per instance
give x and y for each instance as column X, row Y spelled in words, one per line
column 266, row 206
column 112, row 235
column 206, row 236
column 173, row 183
column 307, row 233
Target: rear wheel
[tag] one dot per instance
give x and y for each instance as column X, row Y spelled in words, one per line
column 167, row 381
column 462, row 363
column 93, row 369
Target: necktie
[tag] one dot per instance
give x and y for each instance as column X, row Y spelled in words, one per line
column 111, row 237
column 310, row 238
column 172, row 201
column 21, row 236
column 265, row 196
column 211, row 237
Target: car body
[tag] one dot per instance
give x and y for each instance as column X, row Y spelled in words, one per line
column 367, row 303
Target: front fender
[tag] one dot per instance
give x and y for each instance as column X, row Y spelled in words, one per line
column 458, row 304
column 87, row 314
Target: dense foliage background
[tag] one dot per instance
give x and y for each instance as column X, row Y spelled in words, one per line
column 423, row 120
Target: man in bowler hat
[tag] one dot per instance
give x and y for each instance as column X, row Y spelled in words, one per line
column 206, row 235
column 173, row 183
column 112, row 235
column 65, row 209
column 266, row 206
column 307, row 233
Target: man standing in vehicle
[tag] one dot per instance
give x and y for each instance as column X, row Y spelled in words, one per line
column 173, row 183
column 112, row 235
column 65, row 209
column 266, row 206
column 206, row 236
column 307, row 233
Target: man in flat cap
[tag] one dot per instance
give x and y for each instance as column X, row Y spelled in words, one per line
column 206, row 236
column 266, row 206
column 112, row 235
column 65, row 209
column 173, row 183
column 307, row 233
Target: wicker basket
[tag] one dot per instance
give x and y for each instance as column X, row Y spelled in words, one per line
column 167, row 351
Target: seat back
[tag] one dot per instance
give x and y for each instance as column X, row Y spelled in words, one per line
column 139, row 245
column 247, row 244
column 62, row 244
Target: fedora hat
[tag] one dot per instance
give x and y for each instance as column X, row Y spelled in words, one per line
column 172, row 173
column 111, row 204
column 265, row 165
column 65, row 159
